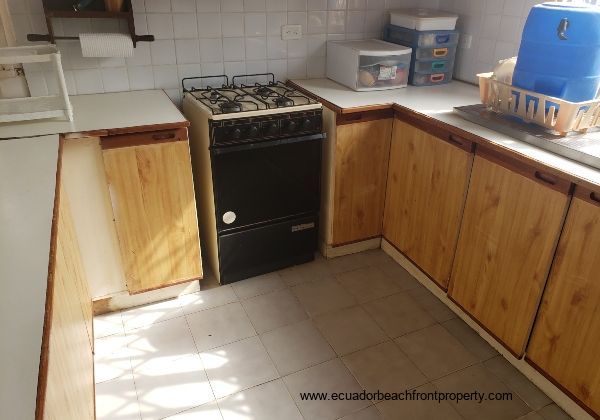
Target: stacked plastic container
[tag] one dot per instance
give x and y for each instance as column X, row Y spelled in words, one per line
column 433, row 39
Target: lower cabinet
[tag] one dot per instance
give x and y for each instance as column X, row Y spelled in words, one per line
column 69, row 379
column 426, row 191
column 512, row 220
column 565, row 342
column 359, row 164
column 152, row 195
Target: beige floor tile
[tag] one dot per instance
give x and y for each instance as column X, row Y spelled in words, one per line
column 170, row 339
column 219, row 326
column 477, row 378
column 327, row 377
column 274, row 310
column 258, row 285
column 349, row 330
column 419, row 409
column 296, row 347
column 432, row 305
column 117, row 399
column 207, row 299
column 166, row 387
column 531, row 416
column 517, row 382
column 111, row 357
column 208, row 411
column 435, row 351
column 108, row 324
column 384, row 368
column 369, row 413
column 402, row 277
column 270, row 401
column 323, row 296
column 376, row 257
column 316, row 270
column 368, row 283
column 346, row 263
column 147, row 315
column 470, row 339
column 238, row 366
column 553, row 412
column 399, row 314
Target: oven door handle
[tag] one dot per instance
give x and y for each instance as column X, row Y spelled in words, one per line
column 220, row 150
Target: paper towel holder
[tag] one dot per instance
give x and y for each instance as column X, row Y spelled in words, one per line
column 63, row 9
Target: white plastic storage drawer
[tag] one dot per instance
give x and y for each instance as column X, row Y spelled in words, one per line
column 423, row 19
column 369, row 64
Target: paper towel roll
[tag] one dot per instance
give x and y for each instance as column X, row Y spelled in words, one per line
column 106, row 45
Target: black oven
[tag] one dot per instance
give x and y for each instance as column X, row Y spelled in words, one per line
column 267, row 199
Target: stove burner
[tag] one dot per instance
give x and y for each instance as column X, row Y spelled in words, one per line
column 263, row 91
column 230, row 106
column 282, row 101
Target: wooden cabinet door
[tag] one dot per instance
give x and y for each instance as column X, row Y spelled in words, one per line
column 360, row 173
column 152, row 195
column 565, row 342
column 512, row 220
column 68, row 387
column 426, row 191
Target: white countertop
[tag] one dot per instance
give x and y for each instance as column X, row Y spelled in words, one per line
column 438, row 102
column 27, row 185
column 102, row 112
column 28, row 165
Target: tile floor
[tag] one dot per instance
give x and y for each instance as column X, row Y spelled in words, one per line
column 245, row 351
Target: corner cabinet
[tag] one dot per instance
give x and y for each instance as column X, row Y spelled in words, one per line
column 565, row 343
column 511, row 225
column 426, row 191
column 356, row 163
column 150, row 183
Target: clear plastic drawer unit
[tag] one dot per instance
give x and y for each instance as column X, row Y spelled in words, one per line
column 369, row 64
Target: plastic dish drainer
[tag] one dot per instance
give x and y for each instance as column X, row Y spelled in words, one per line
column 553, row 113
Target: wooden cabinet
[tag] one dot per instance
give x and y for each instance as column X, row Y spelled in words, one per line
column 68, row 384
column 512, row 220
column 426, row 190
column 565, row 342
column 358, row 163
column 152, row 195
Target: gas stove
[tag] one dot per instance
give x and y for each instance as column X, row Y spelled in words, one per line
column 234, row 100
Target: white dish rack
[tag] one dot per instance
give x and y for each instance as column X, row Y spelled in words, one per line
column 51, row 106
column 552, row 113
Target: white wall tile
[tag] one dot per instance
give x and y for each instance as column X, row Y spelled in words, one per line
column 256, row 48
column 231, row 5
column 234, row 49
column 162, row 51
column 183, row 6
column 209, row 25
column 157, row 6
column 255, row 24
column 115, row 79
column 211, row 50
column 296, row 5
column 141, row 55
column 88, row 81
column 140, row 77
column 276, row 47
column 165, row 77
column 187, row 51
column 208, row 6
column 275, row 20
column 232, row 24
column 160, row 25
column 317, row 22
column 276, row 5
column 297, row 48
column 336, row 22
column 255, row 5
column 185, row 25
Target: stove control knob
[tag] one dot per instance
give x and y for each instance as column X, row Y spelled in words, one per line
column 290, row 126
column 253, row 131
column 236, row 133
column 272, row 128
column 307, row 124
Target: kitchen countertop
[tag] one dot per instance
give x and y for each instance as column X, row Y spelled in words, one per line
column 437, row 102
column 103, row 112
column 29, row 157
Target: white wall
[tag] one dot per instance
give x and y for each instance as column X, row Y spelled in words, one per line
column 203, row 37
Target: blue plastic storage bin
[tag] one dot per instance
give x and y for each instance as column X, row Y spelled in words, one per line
column 560, row 51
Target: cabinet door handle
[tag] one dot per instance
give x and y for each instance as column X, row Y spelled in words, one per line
column 548, row 179
column 595, row 197
column 456, row 140
column 163, row 136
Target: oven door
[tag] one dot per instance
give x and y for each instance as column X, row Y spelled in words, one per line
column 268, row 181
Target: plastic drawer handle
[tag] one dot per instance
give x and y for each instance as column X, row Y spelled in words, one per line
column 437, row 77
column 438, row 65
column 442, row 39
column 440, row 52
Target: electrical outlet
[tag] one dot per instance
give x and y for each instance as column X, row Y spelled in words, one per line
column 291, row 32
column 465, row 41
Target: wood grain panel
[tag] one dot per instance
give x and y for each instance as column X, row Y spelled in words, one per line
column 565, row 343
column 360, row 174
column 426, row 192
column 152, row 194
column 69, row 392
column 508, row 236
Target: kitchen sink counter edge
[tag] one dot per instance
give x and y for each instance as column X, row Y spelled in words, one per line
column 434, row 105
